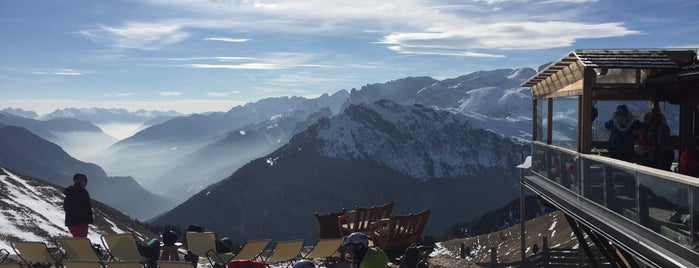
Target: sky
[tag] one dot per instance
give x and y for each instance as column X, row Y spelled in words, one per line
column 199, row 56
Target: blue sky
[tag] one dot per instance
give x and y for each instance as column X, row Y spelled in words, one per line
column 197, row 56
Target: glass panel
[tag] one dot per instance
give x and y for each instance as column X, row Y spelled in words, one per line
column 694, row 218
column 539, row 160
column 565, row 122
column 593, row 181
column 620, row 144
column 541, row 119
column 617, row 76
column 664, row 208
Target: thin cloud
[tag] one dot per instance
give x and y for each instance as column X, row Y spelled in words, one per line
column 68, row 72
column 170, row 93
column 226, row 39
column 222, row 94
column 137, row 35
column 243, row 66
column 222, row 58
column 116, row 94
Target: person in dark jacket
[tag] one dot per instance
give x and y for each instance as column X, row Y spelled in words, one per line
column 621, row 128
column 77, row 206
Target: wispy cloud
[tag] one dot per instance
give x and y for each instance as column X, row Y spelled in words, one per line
column 138, row 35
column 170, row 93
column 226, row 39
column 68, row 72
column 222, row 94
column 116, row 94
column 243, row 66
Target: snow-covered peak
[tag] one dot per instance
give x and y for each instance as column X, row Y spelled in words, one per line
column 416, row 140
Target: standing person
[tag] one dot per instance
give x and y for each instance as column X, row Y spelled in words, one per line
column 665, row 153
column 77, row 206
column 361, row 255
column 621, row 128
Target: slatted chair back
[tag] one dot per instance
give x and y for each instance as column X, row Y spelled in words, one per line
column 361, row 218
column 324, row 248
column 122, row 247
column 252, row 249
column 32, row 252
column 78, row 249
column 399, row 232
column 327, row 224
column 380, row 212
column 285, row 251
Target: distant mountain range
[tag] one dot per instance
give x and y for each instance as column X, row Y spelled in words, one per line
column 178, row 156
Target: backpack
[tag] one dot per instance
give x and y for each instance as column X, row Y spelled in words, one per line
column 169, row 238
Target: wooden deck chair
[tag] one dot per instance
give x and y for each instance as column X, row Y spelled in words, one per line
column 175, row 264
column 122, row 247
column 324, row 248
column 284, row 251
column 124, row 264
column 327, row 224
column 10, row 265
column 252, row 249
column 79, row 249
column 37, row 253
column 397, row 233
column 82, row 264
column 203, row 244
column 361, row 218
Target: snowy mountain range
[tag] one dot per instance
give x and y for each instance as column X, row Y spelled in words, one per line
column 370, row 154
column 417, row 141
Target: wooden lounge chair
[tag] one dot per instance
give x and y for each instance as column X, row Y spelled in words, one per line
column 284, row 251
column 324, row 248
column 252, row 249
column 124, row 264
column 327, row 224
column 122, row 247
column 37, row 253
column 397, row 233
column 361, row 218
column 79, row 249
column 82, row 264
column 10, row 265
column 174, row 264
column 203, row 244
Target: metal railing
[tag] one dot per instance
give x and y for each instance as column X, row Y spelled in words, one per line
column 662, row 201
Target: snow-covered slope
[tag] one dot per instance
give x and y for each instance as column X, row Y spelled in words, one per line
column 31, row 210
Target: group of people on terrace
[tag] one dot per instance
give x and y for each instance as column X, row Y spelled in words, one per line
column 648, row 142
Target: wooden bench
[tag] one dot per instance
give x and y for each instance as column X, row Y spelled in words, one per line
column 361, row 218
column 399, row 232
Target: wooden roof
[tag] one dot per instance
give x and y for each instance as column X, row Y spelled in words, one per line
column 568, row 70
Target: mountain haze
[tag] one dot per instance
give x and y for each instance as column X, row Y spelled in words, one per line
column 25, row 152
column 370, row 154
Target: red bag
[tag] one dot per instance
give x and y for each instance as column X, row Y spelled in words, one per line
column 245, row 264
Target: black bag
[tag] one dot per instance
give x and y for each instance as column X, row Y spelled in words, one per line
column 169, row 238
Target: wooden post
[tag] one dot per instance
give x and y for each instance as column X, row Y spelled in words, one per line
column 463, row 250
